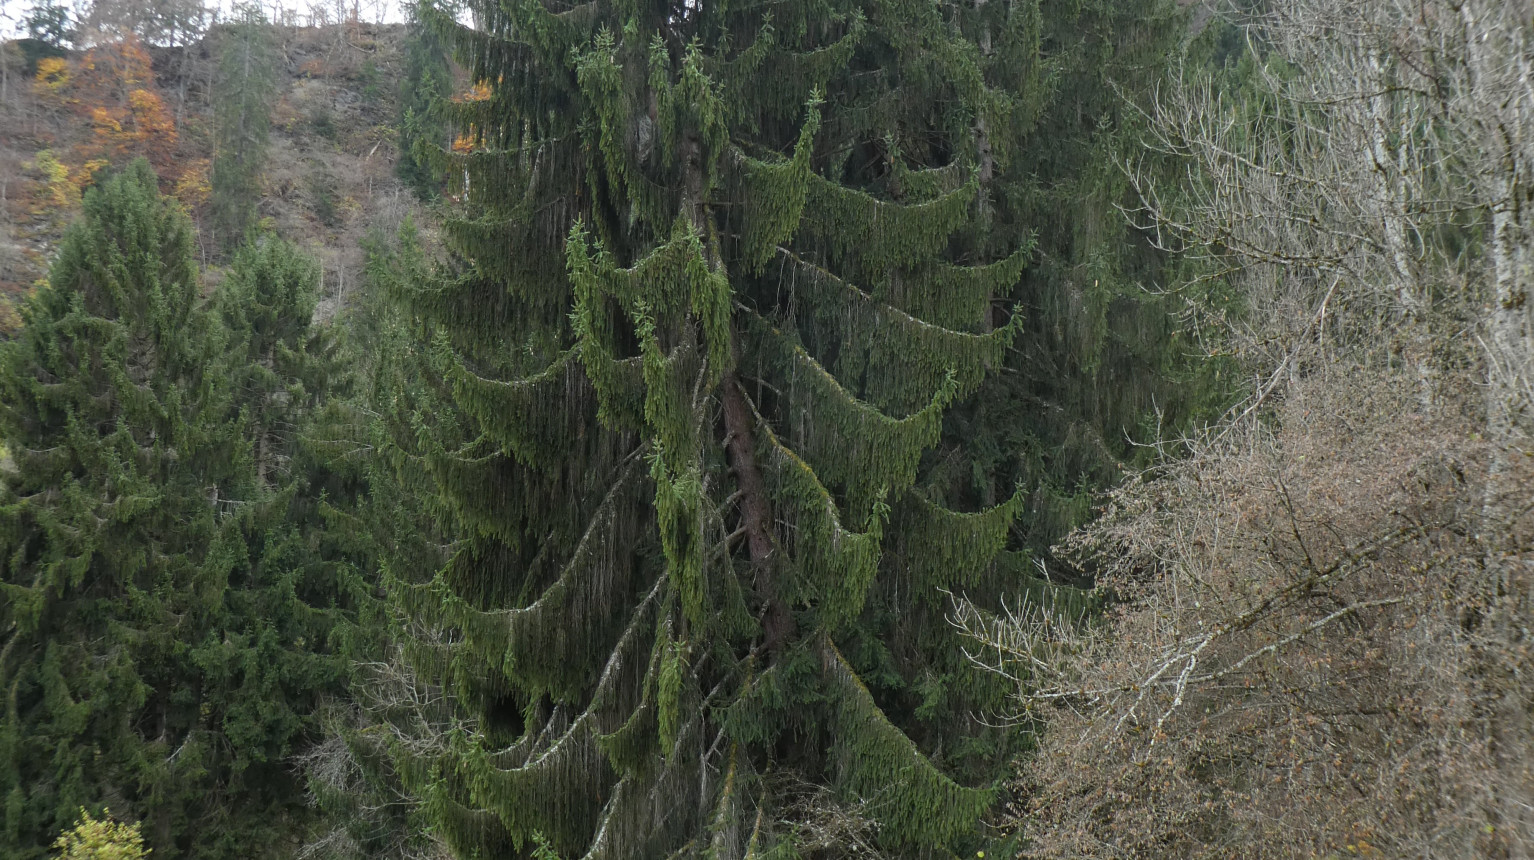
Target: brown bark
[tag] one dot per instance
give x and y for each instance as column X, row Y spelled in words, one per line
column 740, row 441
column 755, row 512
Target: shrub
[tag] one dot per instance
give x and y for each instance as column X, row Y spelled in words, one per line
column 101, row 839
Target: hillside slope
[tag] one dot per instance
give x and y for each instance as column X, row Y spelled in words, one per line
column 329, row 175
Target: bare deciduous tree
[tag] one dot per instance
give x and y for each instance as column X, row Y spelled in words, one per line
column 351, row 774
column 1321, row 639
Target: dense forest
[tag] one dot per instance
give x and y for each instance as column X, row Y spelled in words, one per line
column 767, row 429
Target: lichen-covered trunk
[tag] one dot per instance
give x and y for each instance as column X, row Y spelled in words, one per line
column 1507, row 393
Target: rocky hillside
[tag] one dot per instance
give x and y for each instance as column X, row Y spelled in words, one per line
column 328, row 178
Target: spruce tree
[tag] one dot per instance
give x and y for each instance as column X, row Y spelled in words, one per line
column 115, row 532
column 49, row 33
column 428, row 79
column 379, row 507
column 243, row 94
column 722, row 272
column 279, row 645
column 173, row 608
column 1104, row 362
column 281, row 365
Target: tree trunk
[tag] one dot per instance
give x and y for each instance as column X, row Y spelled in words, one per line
column 739, row 427
column 1500, row 94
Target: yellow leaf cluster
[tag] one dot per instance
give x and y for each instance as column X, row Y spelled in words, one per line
column 53, row 76
column 101, row 839
column 194, row 187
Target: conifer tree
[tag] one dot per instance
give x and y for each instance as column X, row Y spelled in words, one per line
column 427, row 79
column 115, row 542
column 380, row 508
column 1102, row 363
column 281, row 365
column 172, row 608
column 49, row 32
column 242, row 107
column 724, row 269
column 278, row 647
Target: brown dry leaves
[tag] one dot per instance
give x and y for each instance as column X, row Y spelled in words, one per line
column 1307, row 659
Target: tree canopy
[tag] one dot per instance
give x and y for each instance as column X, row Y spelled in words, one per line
column 166, row 616
column 720, row 274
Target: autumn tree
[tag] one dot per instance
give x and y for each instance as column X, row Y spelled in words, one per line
column 112, row 88
column 101, row 839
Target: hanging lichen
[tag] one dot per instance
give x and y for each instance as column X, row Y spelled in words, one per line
column 905, row 358
column 848, row 443
column 956, row 297
column 874, row 235
column 920, row 805
column 942, row 549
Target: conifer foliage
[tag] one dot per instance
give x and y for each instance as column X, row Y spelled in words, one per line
column 165, row 619
column 724, row 269
column 428, row 78
column 111, row 539
column 243, row 95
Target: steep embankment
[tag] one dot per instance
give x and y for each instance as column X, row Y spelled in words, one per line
column 328, row 177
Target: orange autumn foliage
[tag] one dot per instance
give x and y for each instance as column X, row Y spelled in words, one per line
column 113, row 87
column 479, row 91
column 466, row 142
column 128, row 117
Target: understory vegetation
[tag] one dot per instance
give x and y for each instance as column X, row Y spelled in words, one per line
column 1319, row 639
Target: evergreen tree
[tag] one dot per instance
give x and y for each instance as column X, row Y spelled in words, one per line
column 242, row 107
column 428, row 79
column 1102, row 362
column 279, row 646
column 173, row 611
column 382, row 511
column 49, row 23
column 281, row 365
column 723, row 270
column 49, row 32
column 116, row 538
